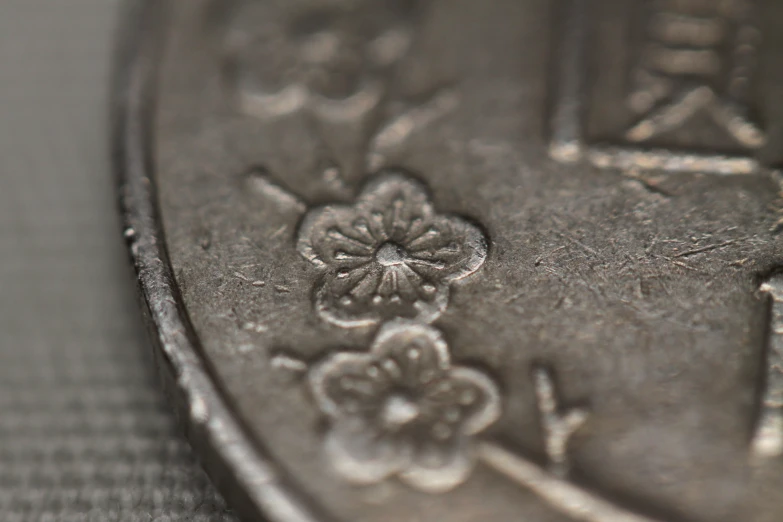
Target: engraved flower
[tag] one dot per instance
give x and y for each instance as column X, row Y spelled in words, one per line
column 403, row 409
column 388, row 255
column 330, row 61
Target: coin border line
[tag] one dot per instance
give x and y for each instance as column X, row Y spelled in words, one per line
column 210, row 426
column 246, row 476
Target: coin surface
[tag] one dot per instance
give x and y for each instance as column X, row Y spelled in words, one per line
column 459, row 260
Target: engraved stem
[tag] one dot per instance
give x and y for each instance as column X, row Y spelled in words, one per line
column 562, row 495
column 262, row 183
column 768, row 439
column 558, row 426
column 396, row 132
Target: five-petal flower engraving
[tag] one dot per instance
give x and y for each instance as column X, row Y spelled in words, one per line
column 389, row 255
column 403, row 409
column 331, row 64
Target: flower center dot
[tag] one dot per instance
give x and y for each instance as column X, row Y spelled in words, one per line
column 399, row 410
column 390, row 254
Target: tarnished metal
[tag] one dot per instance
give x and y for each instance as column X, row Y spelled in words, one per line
column 458, row 260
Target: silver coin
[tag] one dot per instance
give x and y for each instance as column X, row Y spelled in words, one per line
column 460, row 260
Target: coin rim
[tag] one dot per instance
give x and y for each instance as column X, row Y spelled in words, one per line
column 244, row 473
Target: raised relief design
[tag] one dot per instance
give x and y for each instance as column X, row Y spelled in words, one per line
column 684, row 71
column 332, row 63
column 768, row 437
column 688, row 88
column 404, row 409
column 340, row 69
column 388, row 255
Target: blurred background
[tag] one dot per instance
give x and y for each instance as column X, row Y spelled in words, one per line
column 84, row 431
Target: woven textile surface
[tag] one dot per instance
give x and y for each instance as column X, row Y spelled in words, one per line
column 85, row 433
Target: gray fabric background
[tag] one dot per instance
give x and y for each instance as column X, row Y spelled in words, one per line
column 84, row 432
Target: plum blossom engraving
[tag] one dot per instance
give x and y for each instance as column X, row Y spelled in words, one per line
column 333, row 62
column 342, row 73
column 389, row 255
column 403, row 409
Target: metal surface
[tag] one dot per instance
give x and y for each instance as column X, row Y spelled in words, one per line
column 451, row 260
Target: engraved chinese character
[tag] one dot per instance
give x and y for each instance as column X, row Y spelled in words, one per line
column 697, row 58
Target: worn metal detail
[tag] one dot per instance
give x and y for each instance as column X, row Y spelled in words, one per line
column 683, row 97
column 768, row 437
column 404, row 409
column 389, row 255
column 379, row 298
column 338, row 68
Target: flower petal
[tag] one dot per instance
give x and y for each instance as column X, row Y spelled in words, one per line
column 349, row 106
column 363, row 455
column 418, row 351
column 354, row 301
column 439, row 467
column 267, row 70
column 348, row 383
column 327, row 237
column 477, row 396
column 453, row 248
column 339, row 306
column 396, row 202
column 429, row 309
column 360, row 282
